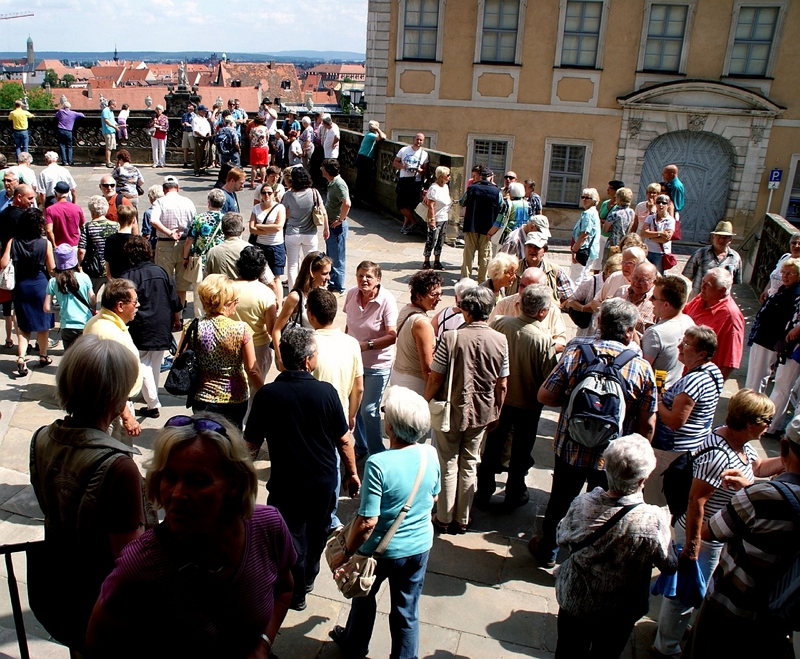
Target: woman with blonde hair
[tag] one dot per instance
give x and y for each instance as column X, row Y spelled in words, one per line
column 586, row 239
column 724, row 463
column 438, row 201
column 225, row 354
column 218, row 566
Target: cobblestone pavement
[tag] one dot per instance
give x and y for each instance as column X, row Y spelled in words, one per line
column 484, row 595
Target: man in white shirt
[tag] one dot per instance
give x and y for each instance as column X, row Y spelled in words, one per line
column 48, row 178
column 169, row 218
column 201, row 130
column 330, row 142
column 412, row 161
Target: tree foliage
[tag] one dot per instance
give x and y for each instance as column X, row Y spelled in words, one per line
column 38, row 99
column 67, row 80
column 50, row 78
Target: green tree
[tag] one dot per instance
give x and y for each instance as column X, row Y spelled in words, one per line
column 38, row 99
column 67, row 80
column 50, row 78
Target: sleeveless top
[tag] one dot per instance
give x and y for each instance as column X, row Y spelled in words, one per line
column 407, row 357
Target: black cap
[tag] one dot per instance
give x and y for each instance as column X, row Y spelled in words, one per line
column 486, row 173
column 62, row 187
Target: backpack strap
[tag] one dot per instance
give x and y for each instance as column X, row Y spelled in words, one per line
column 623, row 358
column 588, row 352
column 605, row 528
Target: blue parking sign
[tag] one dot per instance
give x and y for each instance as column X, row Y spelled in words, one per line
column 775, row 175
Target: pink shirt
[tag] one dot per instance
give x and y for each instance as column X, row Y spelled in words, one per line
column 370, row 322
column 726, row 319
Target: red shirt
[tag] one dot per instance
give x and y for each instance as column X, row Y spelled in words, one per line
column 726, row 319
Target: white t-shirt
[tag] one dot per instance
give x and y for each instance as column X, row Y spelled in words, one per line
column 327, row 145
column 414, row 161
column 268, row 217
column 440, row 195
column 654, row 224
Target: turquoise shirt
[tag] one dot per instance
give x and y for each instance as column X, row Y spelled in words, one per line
column 74, row 314
column 388, row 479
column 367, row 148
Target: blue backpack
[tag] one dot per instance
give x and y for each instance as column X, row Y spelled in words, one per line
column 596, row 408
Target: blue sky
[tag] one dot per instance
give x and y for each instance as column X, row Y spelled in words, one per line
column 179, row 25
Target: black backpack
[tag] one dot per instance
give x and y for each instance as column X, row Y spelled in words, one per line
column 677, row 480
column 596, row 409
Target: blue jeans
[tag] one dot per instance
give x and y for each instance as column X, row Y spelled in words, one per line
column 368, row 431
column 20, row 141
column 656, row 258
column 335, row 248
column 65, row 145
column 406, row 577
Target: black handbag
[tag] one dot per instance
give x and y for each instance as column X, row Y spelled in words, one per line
column 182, row 377
column 583, row 318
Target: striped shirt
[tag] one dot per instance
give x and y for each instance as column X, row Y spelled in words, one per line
column 709, row 467
column 703, row 385
column 640, row 397
column 760, row 532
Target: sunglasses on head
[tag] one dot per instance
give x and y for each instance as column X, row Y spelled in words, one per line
column 201, row 423
column 320, row 256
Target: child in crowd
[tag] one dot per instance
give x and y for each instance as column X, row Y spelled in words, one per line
column 74, row 293
column 122, row 122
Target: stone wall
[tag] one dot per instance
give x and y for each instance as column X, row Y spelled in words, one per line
column 772, row 243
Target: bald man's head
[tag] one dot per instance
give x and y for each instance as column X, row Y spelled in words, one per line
column 531, row 277
column 24, row 196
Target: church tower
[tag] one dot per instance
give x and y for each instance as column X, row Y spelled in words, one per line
column 31, row 56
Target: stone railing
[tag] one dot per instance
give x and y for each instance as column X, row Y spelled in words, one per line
column 383, row 194
column 88, row 144
column 769, row 244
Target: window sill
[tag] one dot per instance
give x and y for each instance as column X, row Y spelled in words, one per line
column 484, row 63
column 420, row 61
column 575, row 68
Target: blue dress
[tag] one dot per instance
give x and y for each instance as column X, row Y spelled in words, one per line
column 30, row 267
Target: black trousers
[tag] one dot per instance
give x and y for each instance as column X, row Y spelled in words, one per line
column 601, row 635
column 308, row 519
column 200, row 154
column 525, row 424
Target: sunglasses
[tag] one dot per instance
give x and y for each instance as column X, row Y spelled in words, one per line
column 107, row 185
column 587, row 197
column 510, row 178
column 267, row 192
column 320, row 256
column 182, row 421
column 766, row 419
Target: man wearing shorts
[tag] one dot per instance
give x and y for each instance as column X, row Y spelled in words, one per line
column 108, row 126
column 170, row 216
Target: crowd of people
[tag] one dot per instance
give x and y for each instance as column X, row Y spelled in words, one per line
column 414, row 408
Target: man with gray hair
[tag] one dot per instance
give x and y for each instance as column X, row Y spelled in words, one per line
column 49, row 176
column 305, row 426
column 631, row 257
column 715, row 308
column 170, row 217
column 65, row 122
column 577, row 464
column 221, row 259
column 602, row 590
column 531, row 357
column 477, row 390
column 25, row 173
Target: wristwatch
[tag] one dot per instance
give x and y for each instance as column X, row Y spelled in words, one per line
column 371, row 345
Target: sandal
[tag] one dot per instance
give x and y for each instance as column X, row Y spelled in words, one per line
column 22, row 370
column 441, row 527
column 8, row 344
column 45, row 360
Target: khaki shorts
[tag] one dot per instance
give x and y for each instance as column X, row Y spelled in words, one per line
column 169, row 255
column 111, row 141
column 187, row 140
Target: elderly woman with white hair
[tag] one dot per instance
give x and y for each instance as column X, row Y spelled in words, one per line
column 218, row 568
column 502, row 272
column 451, row 318
column 158, row 127
column 92, row 243
column 438, row 201
column 586, row 239
column 389, row 479
column 615, row 539
column 306, row 140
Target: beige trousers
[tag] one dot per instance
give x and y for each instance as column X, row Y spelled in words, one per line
column 459, row 455
column 476, row 242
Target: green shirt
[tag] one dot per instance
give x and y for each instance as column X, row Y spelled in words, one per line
column 337, row 194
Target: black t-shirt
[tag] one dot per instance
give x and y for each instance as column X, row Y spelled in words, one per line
column 151, row 327
column 8, row 223
column 114, row 255
column 302, row 421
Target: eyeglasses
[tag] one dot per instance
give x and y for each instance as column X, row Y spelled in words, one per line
column 107, row 185
column 202, row 423
column 435, row 294
column 267, row 192
column 766, row 419
column 641, row 280
column 629, row 263
column 687, row 345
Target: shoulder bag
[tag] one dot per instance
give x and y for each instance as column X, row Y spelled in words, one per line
column 318, row 212
column 583, row 319
column 182, row 377
column 667, row 260
column 356, row 576
column 605, row 528
column 77, row 295
column 7, row 275
column 440, row 409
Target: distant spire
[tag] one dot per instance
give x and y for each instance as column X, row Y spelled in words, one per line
column 116, row 55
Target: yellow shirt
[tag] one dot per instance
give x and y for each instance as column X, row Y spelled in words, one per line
column 19, row 118
column 255, row 300
column 108, row 325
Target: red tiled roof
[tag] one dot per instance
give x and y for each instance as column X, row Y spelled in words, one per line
column 270, row 76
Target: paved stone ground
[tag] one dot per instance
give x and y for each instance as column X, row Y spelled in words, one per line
column 484, row 595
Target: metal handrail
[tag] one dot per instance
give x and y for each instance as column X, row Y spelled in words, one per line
column 13, row 592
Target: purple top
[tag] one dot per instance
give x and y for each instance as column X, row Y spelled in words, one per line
column 195, row 614
column 370, row 322
column 67, row 118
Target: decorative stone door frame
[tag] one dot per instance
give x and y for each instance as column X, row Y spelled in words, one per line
column 740, row 116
